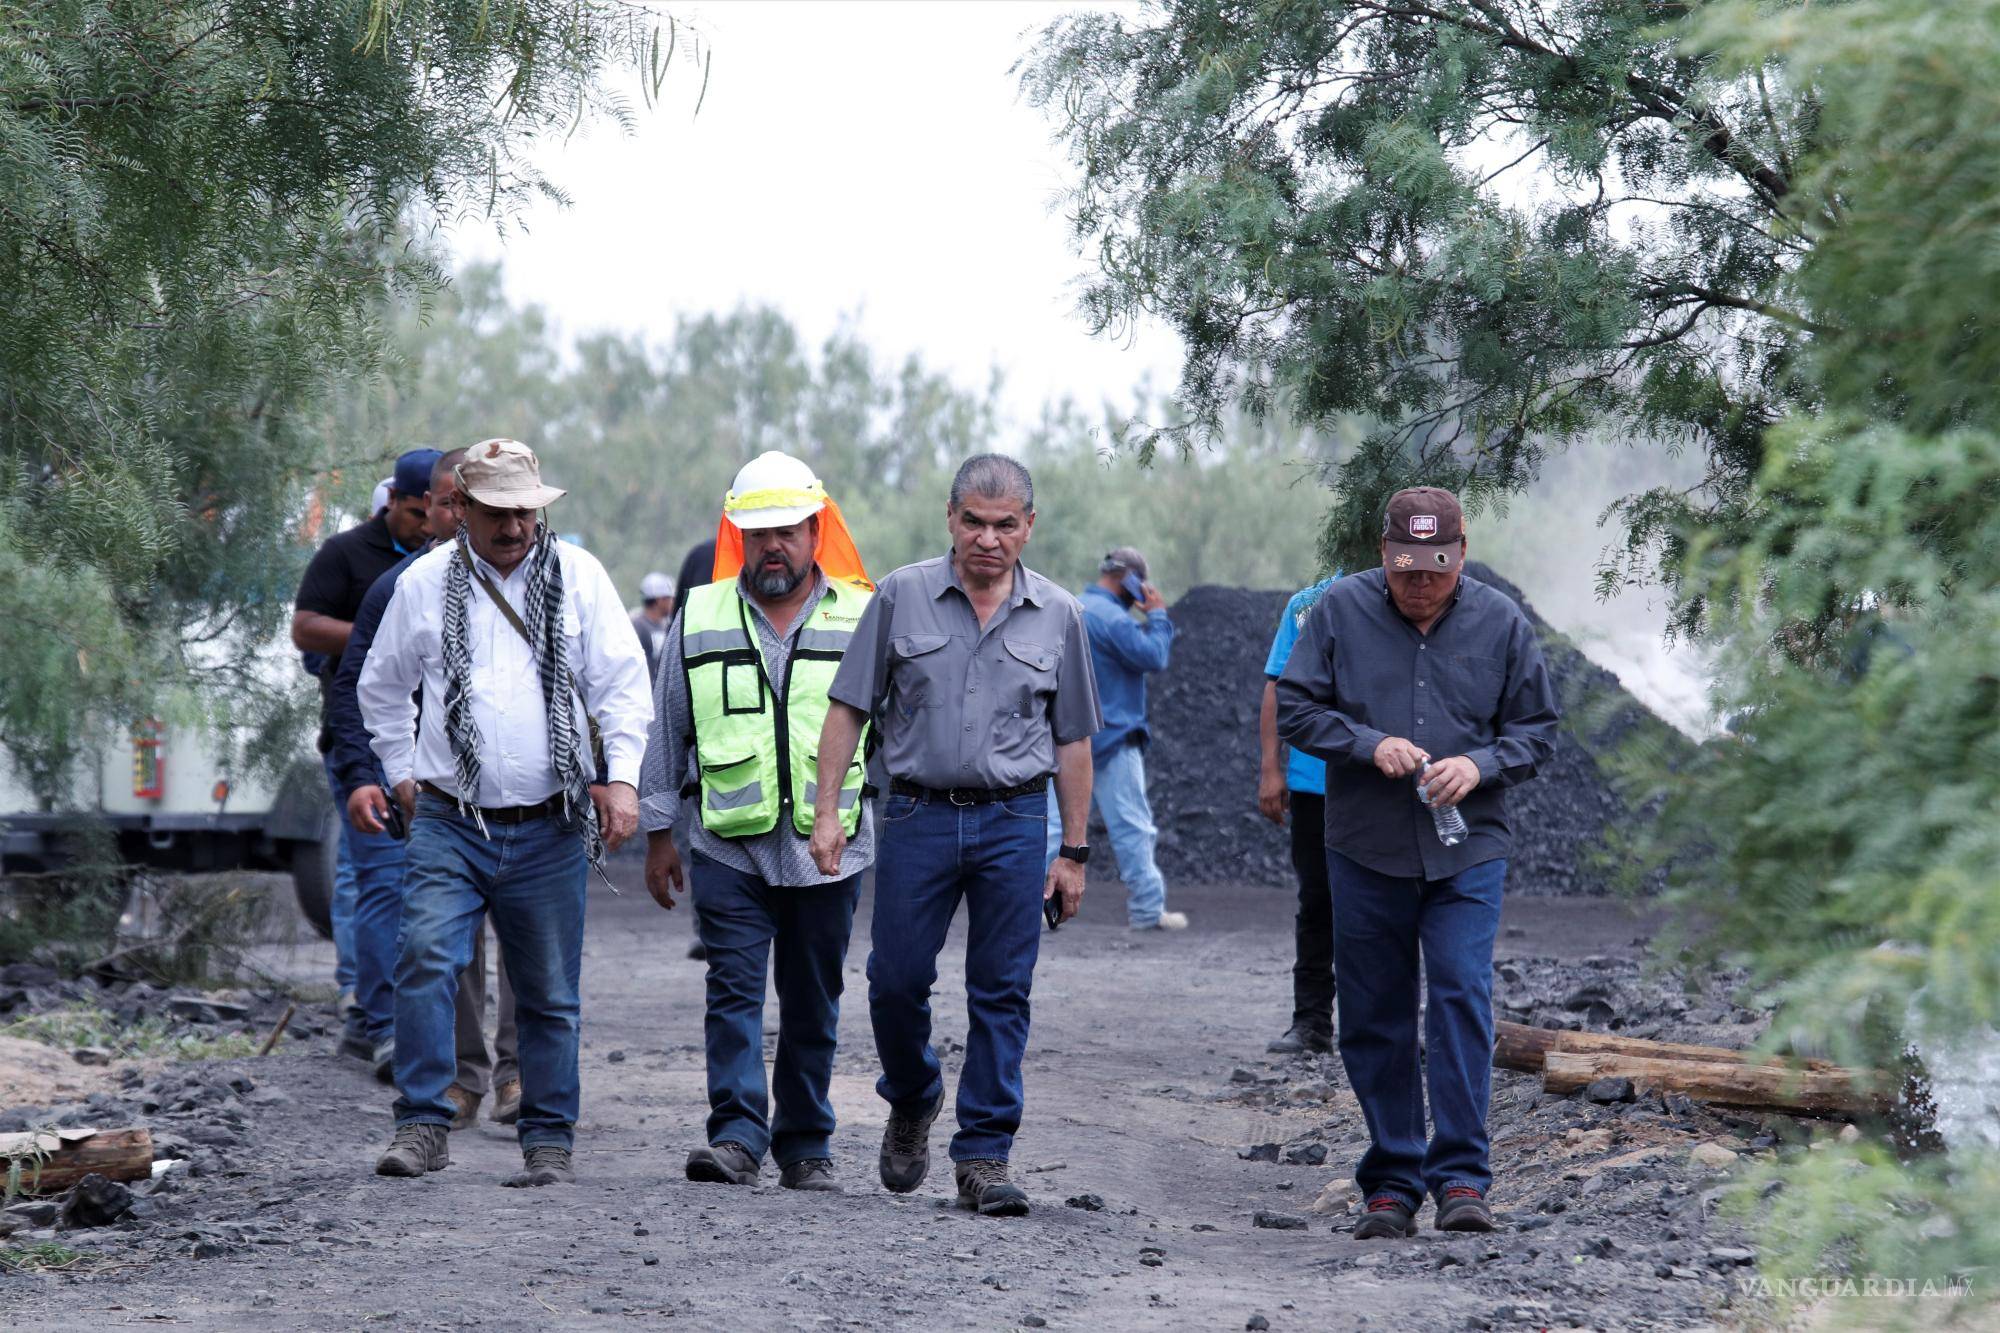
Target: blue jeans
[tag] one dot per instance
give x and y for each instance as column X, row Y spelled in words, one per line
column 1380, row 923
column 376, row 923
column 1118, row 790
column 530, row 878
column 931, row 855
column 340, row 912
column 745, row 924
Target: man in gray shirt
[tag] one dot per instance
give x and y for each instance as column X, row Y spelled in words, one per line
column 741, row 690
column 976, row 671
column 1413, row 674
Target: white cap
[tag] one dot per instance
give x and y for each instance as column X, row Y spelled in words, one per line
column 380, row 500
column 773, row 490
column 656, row 585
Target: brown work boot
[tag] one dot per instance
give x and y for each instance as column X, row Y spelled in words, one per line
column 1463, row 1208
column 416, row 1149
column 984, row 1184
column 813, row 1173
column 906, row 1148
column 543, row 1164
column 507, row 1102
column 465, row 1106
column 724, row 1162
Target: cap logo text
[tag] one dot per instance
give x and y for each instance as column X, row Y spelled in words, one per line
column 1423, row 525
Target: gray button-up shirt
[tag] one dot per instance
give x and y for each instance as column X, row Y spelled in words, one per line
column 782, row 856
column 960, row 706
column 1476, row 686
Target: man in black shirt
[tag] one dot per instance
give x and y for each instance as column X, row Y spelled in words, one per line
column 697, row 568
column 338, row 578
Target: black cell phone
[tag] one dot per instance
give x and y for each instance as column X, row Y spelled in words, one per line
column 1135, row 587
column 1052, row 909
column 393, row 820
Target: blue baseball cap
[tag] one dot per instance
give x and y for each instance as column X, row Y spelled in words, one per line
column 413, row 471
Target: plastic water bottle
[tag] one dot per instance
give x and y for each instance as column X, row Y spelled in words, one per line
column 1450, row 824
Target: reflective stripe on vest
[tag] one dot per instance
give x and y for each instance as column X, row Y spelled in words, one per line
column 756, row 752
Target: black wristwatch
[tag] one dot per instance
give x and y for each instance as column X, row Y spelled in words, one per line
column 1080, row 855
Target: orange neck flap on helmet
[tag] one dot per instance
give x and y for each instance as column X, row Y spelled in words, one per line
column 835, row 553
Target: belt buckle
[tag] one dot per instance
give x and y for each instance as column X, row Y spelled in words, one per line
column 953, row 795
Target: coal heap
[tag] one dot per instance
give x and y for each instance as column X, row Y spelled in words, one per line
column 1202, row 765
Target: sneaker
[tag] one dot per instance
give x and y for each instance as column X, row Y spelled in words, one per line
column 723, row 1163
column 416, row 1149
column 1463, row 1208
column 983, row 1184
column 906, row 1148
column 1167, row 921
column 1299, row 1039
column 544, row 1164
column 507, row 1102
column 814, row 1173
column 465, row 1104
column 1387, row 1215
column 385, row 1060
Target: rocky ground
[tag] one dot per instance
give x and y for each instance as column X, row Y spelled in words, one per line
column 1180, row 1177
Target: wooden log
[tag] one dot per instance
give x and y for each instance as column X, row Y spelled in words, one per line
column 1830, row 1092
column 53, row 1160
column 1523, row 1048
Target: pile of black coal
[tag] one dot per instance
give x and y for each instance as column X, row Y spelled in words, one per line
column 1202, row 765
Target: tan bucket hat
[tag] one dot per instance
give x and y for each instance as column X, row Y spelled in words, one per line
column 505, row 475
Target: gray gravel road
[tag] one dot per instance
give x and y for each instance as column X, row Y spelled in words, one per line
column 1129, row 1079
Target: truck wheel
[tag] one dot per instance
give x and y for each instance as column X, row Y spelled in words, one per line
column 314, row 865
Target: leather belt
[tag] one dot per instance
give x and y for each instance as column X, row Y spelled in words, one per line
column 510, row 814
column 962, row 796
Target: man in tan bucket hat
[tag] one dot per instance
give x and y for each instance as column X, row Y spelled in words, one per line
column 517, row 642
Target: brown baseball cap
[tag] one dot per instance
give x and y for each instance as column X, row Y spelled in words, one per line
column 1421, row 530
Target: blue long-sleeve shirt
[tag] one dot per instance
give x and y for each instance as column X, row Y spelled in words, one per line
column 1123, row 653
column 354, row 762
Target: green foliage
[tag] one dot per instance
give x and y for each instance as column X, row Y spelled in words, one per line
column 45, row 1256
column 647, row 440
column 1494, row 226
column 208, row 204
column 87, row 1025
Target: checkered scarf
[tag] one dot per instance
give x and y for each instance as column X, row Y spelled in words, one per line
column 544, row 619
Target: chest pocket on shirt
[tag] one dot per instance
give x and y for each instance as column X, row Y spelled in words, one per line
column 1471, row 685
column 1028, row 675
column 920, row 670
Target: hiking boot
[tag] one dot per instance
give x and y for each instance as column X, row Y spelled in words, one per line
column 814, row 1173
column 1167, row 921
column 983, row 1184
column 465, row 1106
column 1299, row 1039
column 1387, row 1215
column 1463, row 1208
column 354, row 1036
column 416, row 1149
column 543, row 1164
column 507, row 1102
column 906, row 1148
column 723, row 1163
column 385, row 1060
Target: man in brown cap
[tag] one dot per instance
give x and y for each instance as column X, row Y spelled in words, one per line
column 519, row 643
column 1418, row 686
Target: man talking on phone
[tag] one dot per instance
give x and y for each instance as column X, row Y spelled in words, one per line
column 1124, row 650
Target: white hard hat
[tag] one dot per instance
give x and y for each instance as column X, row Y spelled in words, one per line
column 656, row 585
column 773, row 490
column 380, row 499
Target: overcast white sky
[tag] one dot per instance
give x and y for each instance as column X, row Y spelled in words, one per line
column 858, row 159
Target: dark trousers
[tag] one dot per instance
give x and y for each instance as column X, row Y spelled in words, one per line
column 1312, row 968
column 801, row 931
column 932, row 854
column 1385, row 928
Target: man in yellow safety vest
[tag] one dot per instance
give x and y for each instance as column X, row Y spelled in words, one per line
column 741, row 694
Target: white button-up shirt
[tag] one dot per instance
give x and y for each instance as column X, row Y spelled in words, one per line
column 507, row 706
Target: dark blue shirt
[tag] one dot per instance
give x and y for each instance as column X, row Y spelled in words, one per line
column 1123, row 653
column 354, row 762
column 1475, row 686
